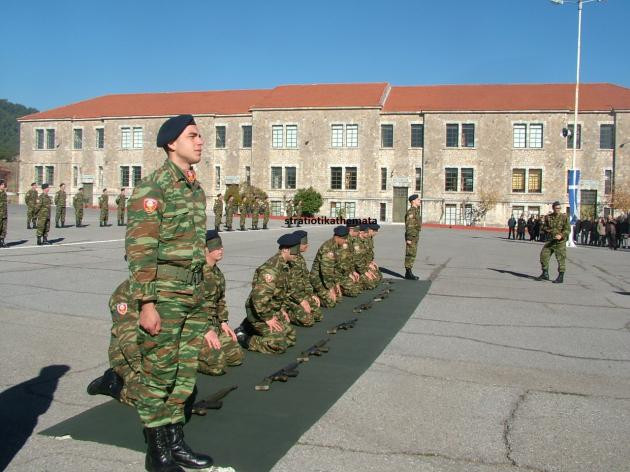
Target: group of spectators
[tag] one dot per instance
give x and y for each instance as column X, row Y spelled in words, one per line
column 533, row 226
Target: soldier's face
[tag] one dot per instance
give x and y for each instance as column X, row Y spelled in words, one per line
column 214, row 256
column 353, row 233
column 303, row 247
column 556, row 209
column 188, row 145
column 339, row 240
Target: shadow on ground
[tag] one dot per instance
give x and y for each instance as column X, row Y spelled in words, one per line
column 515, row 274
column 16, row 243
column 56, row 240
column 385, row 270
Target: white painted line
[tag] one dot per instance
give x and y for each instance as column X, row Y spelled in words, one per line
column 46, row 246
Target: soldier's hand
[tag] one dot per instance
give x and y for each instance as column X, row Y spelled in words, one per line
column 369, row 275
column 229, row 331
column 338, row 288
column 317, row 300
column 307, row 308
column 274, row 324
column 212, row 339
column 408, row 243
column 558, row 237
column 333, row 293
column 150, row 319
column 286, row 316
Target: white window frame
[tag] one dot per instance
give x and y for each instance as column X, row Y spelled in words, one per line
column 337, row 135
column 96, row 130
column 459, row 178
column 133, row 142
column 286, row 135
column 343, row 177
column 225, row 126
column 74, row 130
column 277, row 143
column 528, row 134
column 130, row 166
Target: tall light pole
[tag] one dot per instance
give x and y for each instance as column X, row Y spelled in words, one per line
column 574, row 180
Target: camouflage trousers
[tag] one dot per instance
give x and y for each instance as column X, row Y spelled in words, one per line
column 43, row 225
column 349, row 287
column 229, row 221
column 78, row 216
column 120, row 216
column 60, row 215
column 170, row 358
column 215, row 361
column 367, row 284
column 410, row 253
column 31, row 217
column 217, row 222
column 255, row 221
column 265, row 220
column 3, row 227
column 324, row 296
column 267, row 342
column 242, row 220
column 300, row 317
column 104, row 216
column 127, row 369
column 558, row 248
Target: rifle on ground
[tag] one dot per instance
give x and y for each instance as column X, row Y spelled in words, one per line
column 281, row 375
column 212, row 402
column 362, row 307
column 346, row 325
column 316, row 349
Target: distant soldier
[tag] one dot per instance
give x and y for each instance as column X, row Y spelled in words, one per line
column 342, row 212
column 103, row 205
column 3, row 212
column 121, row 207
column 413, row 226
column 303, row 305
column 31, row 202
column 289, row 212
column 78, row 202
column 229, row 213
column 255, row 213
column 325, row 271
column 243, row 209
column 266, row 208
column 298, row 211
column 42, row 210
column 267, row 328
column 557, row 226
column 60, row 204
column 218, row 212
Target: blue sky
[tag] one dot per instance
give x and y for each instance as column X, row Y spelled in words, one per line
column 57, row 52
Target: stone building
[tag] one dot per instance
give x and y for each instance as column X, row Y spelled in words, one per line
column 364, row 147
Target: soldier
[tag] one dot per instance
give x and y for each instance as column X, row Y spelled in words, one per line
column 267, row 328
column 121, row 207
column 325, row 272
column 298, row 211
column 165, row 244
column 42, row 211
column 255, row 213
column 3, row 212
column 103, row 205
column 373, row 231
column 78, row 202
column 364, row 259
column 557, row 226
column 218, row 212
column 289, row 213
column 349, row 277
column 229, row 213
column 303, row 306
column 31, row 202
column 266, row 212
column 60, row 204
column 242, row 209
column 413, row 226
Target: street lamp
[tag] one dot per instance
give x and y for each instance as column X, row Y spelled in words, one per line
column 574, row 179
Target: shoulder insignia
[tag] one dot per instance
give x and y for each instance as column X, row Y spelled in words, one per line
column 331, row 255
column 150, row 205
column 357, row 247
column 268, row 278
column 121, row 308
column 345, row 245
column 191, row 176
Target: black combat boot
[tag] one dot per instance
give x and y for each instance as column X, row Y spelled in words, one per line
column 242, row 337
column 181, row 452
column 56, row 225
column 45, row 240
column 63, row 223
column 410, row 275
column 265, row 226
column 28, row 225
column 544, row 275
column 159, row 457
column 110, row 384
column 560, row 278
column 39, row 240
column 2, row 243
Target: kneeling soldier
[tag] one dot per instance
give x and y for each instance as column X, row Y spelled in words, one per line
column 303, row 306
column 325, row 272
column 349, row 279
column 373, row 231
column 363, row 259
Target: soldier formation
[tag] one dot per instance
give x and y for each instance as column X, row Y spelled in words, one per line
column 245, row 210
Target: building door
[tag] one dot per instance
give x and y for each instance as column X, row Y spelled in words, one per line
column 399, row 208
column 588, row 204
column 450, row 217
column 88, row 193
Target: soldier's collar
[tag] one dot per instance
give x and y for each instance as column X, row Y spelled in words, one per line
column 179, row 174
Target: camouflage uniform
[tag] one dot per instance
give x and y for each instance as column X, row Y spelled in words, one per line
column 255, row 213
column 267, row 298
column 60, row 210
column 301, row 289
column 242, row 209
column 165, row 244
column 42, row 211
column 554, row 225
column 218, row 213
column 362, row 261
column 121, row 207
column 3, row 215
column 347, row 266
column 298, row 211
column 103, row 204
column 369, row 241
column 31, row 202
column 229, row 215
column 325, row 273
column 413, row 226
column 266, row 213
column 289, row 212
column 78, row 202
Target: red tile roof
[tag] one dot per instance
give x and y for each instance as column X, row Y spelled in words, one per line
column 593, row 97
column 325, row 96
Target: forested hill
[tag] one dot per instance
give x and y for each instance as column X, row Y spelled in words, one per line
column 9, row 128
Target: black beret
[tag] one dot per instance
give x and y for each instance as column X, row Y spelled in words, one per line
column 44, row 186
column 364, row 226
column 303, row 235
column 352, row 223
column 413, row 197
column 374, row 226
column 341, row 231
column 172, row 128
column 556, row 203
column 288, row 240
column 213, row 240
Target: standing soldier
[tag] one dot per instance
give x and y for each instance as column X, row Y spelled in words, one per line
column 42, row 211
column 229, row 213
column 60, row 204
column 121, row 207
column 255, row 213
column 3, row 212
column 78, row 202
column 242, row 209
column 266, row 212
column 298, row 211
column 413, row 226
column 103, row 205
column 289, row 212
column 557, row 226
column 165, row 244
column 303, row 306
column 218, row 212
column 325, row 272
column 31, row 202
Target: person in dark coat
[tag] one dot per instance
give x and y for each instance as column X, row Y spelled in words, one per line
column 520, row 227
column 537, row 224
column 594, row 241
column 611, row 233
column 530, row 227
column 585, row 229
column 511, row 226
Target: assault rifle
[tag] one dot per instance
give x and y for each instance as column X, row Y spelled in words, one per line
column 212, row 402
column 346, row 325
column 316, row 349
column 362, row 307
column 281, row 375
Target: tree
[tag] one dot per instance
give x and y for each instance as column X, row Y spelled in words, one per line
column 621, row 199
column 311, row 200
column 10, row 128
column 488, row 199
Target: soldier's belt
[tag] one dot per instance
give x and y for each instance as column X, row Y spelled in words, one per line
column 180, row 273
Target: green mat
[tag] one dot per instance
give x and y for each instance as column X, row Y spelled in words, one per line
column 255, row 429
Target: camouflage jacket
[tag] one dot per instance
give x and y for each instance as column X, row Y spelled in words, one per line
column 43, row 205
column 214, row 294
column 300, row 287
column 346, row 263
column 121, row 202
column 243, row 208
column 218, row 207
column 125, row 318
column 361, row 255
column 31, row 198
column 3, row 204
column 167, row 225
column 229, row 209
column 325, row 271
column 266, row 208
column 557, row 224
column 78, row 201
column 413, row 225
column 103, row 202
column 270, row 288
column 289, row 209
column 60, row 198
column 369, row 242
column 298, row 209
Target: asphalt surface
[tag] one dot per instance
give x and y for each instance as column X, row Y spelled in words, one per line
column 493, row 372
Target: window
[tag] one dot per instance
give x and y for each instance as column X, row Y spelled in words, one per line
column 276, row 136
column 418, row 179
column 536, row 135
column 534, row 180
column 125, row 138
column 452, row 135
column 335, row 207
column 247, row 136
column 101, row 182
column 131, row 137
column 383, row 211
column 571, row 134
column 607, row 182
column 417, row 135
column 468, row 135
column 137, row 175
column 291, row 137
column 290, row 177
column 75, row 176
column 50, row 139
column 383, row 178
column 276, row 177
column 528, row 135
column 337, row 135
column 39, row 175
column 124, row 176
column 352, row 135
column 50, row 175
column 220, row 137
column 276, row 208
column 467, row 184
column 100, row 138
column 217, row 177
column 335, row 178
column 77, row 138
column 351, row 209
column 351, row 178
column 517, row 211
column 248, row 175
column 606, row 136
column 387, row 136
column 518, row 180
column 138, row 139
column 39, row 139
column 451, row 175
column 519, row 135
column 133, row 172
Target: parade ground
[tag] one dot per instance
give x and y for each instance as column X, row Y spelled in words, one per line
column 494, row 371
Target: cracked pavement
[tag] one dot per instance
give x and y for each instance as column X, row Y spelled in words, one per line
column 493, row 372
